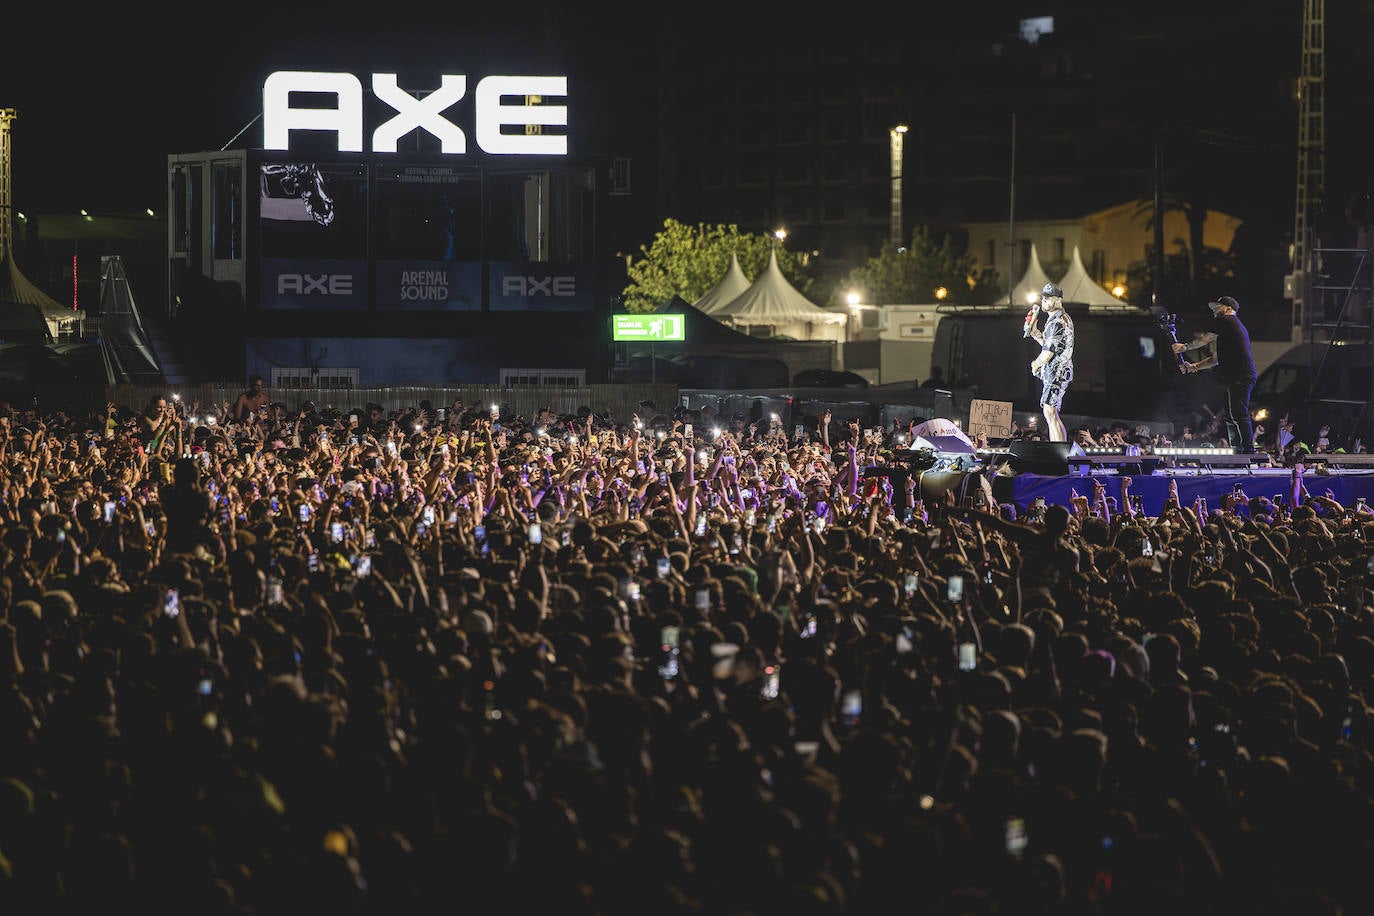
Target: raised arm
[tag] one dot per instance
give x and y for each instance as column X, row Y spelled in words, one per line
column 1126, row 506
column 852, row 470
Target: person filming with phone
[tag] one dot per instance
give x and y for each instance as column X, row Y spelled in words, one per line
column 1235, row 370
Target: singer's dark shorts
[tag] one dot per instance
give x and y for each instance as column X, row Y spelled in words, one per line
column 1055, row 382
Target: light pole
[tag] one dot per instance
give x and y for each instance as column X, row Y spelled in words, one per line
column 895, row 137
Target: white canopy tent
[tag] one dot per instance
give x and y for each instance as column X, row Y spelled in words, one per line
column 772, row 302
column 729, row 286
column 1032, row 282
column 1079, row 287
column 18, row 294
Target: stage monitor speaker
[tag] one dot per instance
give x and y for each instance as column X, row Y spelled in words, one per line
column 1034, row 456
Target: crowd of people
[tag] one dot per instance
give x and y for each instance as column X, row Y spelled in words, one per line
column 274, row 660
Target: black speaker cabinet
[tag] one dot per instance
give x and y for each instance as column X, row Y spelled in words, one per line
column 1033, row 456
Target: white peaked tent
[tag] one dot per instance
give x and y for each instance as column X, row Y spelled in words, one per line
column 17, row 292
column 772, row 302
column 1079, row 287
column 727, row 287
column 1032, row 282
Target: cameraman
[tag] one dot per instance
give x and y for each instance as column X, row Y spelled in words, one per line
column 1235, row 368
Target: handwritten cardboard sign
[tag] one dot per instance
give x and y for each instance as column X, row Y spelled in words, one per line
column 989, row 418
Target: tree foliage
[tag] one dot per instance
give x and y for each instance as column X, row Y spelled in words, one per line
column 687, row 261
column 1187, row 279
column 912, row 275
column 1194, row 210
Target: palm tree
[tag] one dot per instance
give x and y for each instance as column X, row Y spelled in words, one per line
column 1194, row 210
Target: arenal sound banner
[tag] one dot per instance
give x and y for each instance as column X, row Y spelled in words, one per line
column 428, row 237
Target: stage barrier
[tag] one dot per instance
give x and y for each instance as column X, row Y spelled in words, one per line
column 1153, row 489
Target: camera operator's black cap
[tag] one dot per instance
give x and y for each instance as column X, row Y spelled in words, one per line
column 1049, row 289
column 1224, row 301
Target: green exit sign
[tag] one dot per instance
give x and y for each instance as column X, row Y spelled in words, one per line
column 649, row 327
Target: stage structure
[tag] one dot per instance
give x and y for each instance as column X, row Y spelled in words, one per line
column 1055, row 472
column 387, row 235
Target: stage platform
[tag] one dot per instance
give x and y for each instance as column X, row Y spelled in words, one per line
column 1346, row 485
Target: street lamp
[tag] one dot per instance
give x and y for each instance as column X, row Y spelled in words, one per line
column 780, row 234
column 895, row 137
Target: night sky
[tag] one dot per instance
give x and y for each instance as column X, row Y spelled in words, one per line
column 102, row 103
column 99, row 107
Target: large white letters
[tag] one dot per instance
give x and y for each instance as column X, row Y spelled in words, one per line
column 490, row 115
column 425, row 113
column 279, row 118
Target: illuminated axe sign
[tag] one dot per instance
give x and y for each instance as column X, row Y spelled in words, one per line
column 491, row 112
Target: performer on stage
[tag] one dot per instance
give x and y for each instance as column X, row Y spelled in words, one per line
column 1054, row 365
column 1236, row 367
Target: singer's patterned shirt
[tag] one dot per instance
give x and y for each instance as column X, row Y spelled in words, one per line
column 1056, row 374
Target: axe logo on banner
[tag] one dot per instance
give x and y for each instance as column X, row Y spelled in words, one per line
column 532, row 287
column 315, row 284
